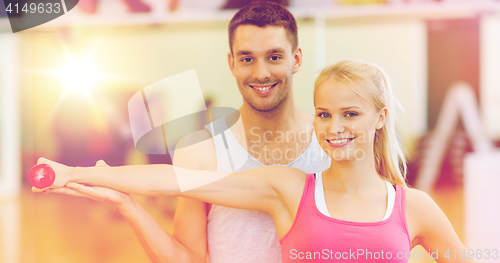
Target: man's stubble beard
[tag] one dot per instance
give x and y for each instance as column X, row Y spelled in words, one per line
column 274, row 105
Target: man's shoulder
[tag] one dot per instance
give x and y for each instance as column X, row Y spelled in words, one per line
column 194, row 138
column 305, row 121
column 305, row 124
column 307, row 117
column 196, row 151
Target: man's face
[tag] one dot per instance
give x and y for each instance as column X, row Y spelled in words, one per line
column 263, row 63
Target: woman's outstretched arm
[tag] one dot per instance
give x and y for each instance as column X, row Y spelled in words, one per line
column 257, row 189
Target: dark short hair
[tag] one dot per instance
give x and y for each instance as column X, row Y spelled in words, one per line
column 264, row 14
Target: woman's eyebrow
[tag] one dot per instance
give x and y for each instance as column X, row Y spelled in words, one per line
column 350, row 107
column 341, row 109
column 323, row 109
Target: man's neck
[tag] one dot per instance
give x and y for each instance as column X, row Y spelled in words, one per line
column 287, row 130
column 282, row 118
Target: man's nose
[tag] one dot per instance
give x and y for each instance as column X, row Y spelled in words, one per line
column 261, row 71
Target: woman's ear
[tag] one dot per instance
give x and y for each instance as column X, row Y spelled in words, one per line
column 382, row 117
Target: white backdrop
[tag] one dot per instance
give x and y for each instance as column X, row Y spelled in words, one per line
column 10, row 181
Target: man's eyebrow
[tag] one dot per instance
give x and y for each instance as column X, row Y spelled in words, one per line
column 271, row 51
column 243, row 53
column 276, row 50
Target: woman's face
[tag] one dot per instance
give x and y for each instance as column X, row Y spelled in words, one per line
column 345, row 123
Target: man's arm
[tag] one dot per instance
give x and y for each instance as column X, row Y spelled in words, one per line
column 189, row 241
column 190, row 227
column 157, row 243
column 190, row 222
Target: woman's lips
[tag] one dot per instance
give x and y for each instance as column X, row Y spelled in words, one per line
column 340, row 142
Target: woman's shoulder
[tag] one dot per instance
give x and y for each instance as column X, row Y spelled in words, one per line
column 417, row 201
column 417, row 197
column 421, row 211
column 427, row 222
column 414, row 195
column 286, row 178
column 286, row 172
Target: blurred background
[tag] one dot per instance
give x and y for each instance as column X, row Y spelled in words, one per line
column 65, row 85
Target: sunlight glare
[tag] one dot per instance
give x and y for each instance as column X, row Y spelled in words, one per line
column 78, row 75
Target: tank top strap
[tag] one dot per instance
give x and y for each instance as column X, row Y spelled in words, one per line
column 307, row 203
column 216, row 129
column 400, row 207
column 229, row 157
column 399, row 204
column 304, row 206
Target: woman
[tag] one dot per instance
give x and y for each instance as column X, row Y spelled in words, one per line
column 358, row 210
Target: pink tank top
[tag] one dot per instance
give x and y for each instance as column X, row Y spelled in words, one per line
column 315, row 237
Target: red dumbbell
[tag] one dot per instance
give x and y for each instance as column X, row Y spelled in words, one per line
column 41, row 176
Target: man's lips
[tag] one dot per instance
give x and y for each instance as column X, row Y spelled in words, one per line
column 340, row 142
column 263, row 89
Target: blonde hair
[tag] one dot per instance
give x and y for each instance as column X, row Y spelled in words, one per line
column 371, row 83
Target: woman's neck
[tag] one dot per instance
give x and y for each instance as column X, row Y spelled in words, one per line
column 354, row 176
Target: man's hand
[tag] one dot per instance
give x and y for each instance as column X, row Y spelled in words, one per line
column 97, row 193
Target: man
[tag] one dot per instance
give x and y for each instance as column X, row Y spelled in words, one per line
column 264, row 56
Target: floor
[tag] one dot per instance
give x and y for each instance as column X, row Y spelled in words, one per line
column 56, row 228
column 61, row 229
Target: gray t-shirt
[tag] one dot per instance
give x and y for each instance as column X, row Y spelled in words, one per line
column 238, row 235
